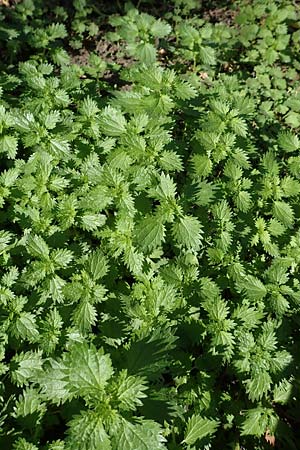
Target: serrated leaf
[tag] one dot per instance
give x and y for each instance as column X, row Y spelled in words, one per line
column 284, row 213
column 28, row 403
column 97, row 265
column 198, row 427
column 149, row 233
column 36, row 246
column 92, row 222
column 9, row 145
column 24, row 327
column 95, row 370
column 59, row 147
column 166, row 189
column 258, row 385
column 243, row 201
column 62, row 257
column 5, row 239
column 129, row 391
column 146, row 52
column 256, row 422
column 254, row 288
column 84, row 316
column 86, row 431
column 202, row 165
column 187, row 231
column 288, row 141
column 160, row 29
column 26, row 367
column 146, row 435
column 112, row 122
column 282, row 392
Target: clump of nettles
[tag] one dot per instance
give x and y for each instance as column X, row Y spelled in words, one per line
column 149, row 240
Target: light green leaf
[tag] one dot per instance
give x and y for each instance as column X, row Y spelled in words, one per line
column 282, row 392
column 256, row 422
column 9, row 145
column 198, row 427
column 84, row 316
column 145, row 435
column 89, row 370
column 5, row 239
column 288, row 141
column 187, row 232
column 160, row 29
column 146, row 52
column 243, row 201
column 258, row 385
column 59, row 147
column 284, row 213
column 166, row 189
column 86, row 432
column 129, row 391
column 91, row 222
column 26, row 367
column 97, row 265
column 112, row 122
column 254, row 288
column 150, row 233
column 24, row 327
column 36, row 246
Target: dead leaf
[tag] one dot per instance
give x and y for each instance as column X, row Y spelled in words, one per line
column 4, row 2
column 270, row 438
column 203, row 75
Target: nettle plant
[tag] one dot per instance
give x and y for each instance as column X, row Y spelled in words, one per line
column 269, row 36
column 149, row 248
column 141, row 32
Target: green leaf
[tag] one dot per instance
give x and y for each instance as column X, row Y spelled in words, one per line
column 86, row 431
column 62, row 257
column 91, row 222
column 129, row 391
column 25, row 327
column 145, row 435
column 26, row 367
column 150, row 233
column 89, row 370
column 282, row 392
column 198, row 427
column 28, row 403
column 146, row 53
column 256, row 422
column 84, row 316
column 160, row 28
column 112, row 122
column 288, row 141
column 243, row 201
column 284, row 213
column 254, row 288
column 59, row 147
column 5, row 239
column 258, row 385
column 9, row 145
column 22, row 444
column 97, row 265
column 187, row 231
column 202, row 165
column 166, row 189
column 37, row 247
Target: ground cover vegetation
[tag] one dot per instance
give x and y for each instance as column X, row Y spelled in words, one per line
column 149, row 239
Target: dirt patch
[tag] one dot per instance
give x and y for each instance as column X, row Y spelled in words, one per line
column 217, row 15
column 112, row 52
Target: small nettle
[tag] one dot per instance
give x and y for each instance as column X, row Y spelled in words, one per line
column 149, row 241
